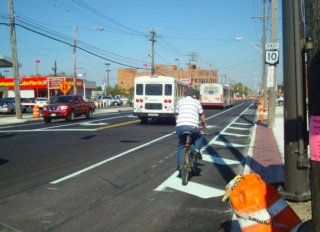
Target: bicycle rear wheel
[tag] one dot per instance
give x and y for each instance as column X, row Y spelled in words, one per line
column 185, row 167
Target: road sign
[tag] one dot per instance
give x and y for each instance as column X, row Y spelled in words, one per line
column 55, row 82
column 272, row 57
column 270, row 77
column 272, row 46
column 65, row 87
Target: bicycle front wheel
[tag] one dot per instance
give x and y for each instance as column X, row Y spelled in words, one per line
column 185, row 166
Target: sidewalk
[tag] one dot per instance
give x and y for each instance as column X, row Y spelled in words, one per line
column 29, row 118
column 266, row 158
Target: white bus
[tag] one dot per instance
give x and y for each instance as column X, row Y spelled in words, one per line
column 216, row 95
column 156, row 97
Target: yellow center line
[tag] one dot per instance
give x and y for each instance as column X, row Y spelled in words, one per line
column 120, row 124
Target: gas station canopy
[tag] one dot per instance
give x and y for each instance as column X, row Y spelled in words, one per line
column 6, row 62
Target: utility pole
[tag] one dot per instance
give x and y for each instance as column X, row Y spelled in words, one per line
column 312, row 15
column 15, row 64
column 296, row 186
column 108, row 79
column 273, row 39
column 193, row 56
column 55, row 68
column 264, row 81
column 74, row 60
column 152, row 39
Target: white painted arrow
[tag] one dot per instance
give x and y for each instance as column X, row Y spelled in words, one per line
column 192, row 188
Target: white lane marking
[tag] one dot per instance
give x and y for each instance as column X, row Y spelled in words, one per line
column 213, row 141
column 108, row 160
column 192, row 188
column 224, row 111
column 232, row 134
column 247, row 167
column 161, row 161
column 218, row 160
column 239, row 128
column 59, row 120
column 153, row 166
column 244, row 124
column 104, row 119
column 132, row 116
column 226, row 144
column 51, row 130
column 121, row 154
column 93, row 124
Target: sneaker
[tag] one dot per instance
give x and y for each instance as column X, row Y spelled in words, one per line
column 197, row 154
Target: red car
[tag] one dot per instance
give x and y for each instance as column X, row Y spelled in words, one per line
column 67, row 107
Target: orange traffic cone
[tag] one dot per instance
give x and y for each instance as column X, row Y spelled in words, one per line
column 259, row 207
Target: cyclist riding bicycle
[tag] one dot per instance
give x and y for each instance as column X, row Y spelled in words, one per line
column 188, row 112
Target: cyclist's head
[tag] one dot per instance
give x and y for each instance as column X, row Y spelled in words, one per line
column 189, row 92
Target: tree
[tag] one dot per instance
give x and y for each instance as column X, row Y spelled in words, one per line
column 1, row 76
column 99, row 88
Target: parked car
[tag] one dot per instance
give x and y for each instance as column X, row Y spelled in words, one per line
column 116, row 101
column 28, row 101
column 41, row 101
column 67, row 107
column 279, row 100
column 9, row 106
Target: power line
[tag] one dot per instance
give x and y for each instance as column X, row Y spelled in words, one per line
column 71, row 45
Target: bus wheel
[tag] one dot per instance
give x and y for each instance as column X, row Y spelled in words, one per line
column 144, row 120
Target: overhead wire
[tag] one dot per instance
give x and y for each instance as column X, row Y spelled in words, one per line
column 61, row 40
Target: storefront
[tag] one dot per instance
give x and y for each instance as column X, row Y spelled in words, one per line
column 38, row 86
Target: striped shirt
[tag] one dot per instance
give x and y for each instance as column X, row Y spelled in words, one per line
column 188, row 110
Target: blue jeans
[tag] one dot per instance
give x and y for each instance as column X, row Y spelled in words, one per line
column 196, row 139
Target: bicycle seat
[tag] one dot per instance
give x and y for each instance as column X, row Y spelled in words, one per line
column 187, row 133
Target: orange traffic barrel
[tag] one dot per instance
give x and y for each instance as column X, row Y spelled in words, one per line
column 36, row 111
column 259, row 207
column 261, row 116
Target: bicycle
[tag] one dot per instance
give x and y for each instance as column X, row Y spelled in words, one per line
column 189, row 161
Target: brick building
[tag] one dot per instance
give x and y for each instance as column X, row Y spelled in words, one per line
column 126, row 76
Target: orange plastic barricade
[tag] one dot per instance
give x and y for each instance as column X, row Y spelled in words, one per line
column 259, row 207
column 36, row 111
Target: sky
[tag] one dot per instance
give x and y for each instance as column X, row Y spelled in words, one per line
column 205, row 27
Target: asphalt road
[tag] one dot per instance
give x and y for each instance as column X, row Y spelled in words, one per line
column 112, row 173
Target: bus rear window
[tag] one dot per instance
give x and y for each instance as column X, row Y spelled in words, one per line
column 139, row 89
column 211, row 90
column 153, row 89
column 168, row 90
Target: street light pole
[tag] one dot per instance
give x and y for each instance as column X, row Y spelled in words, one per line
column 74, row 61
column 177, row 59
column 108, row 79
column 74, row 55
column 37, row 62
column 6, row 71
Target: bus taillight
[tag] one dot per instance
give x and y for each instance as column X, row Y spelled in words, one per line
column 141, row 107
column 141, row 100
column 165, row 101
column 137, row 100
column 170, row 100
column 165, row 107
